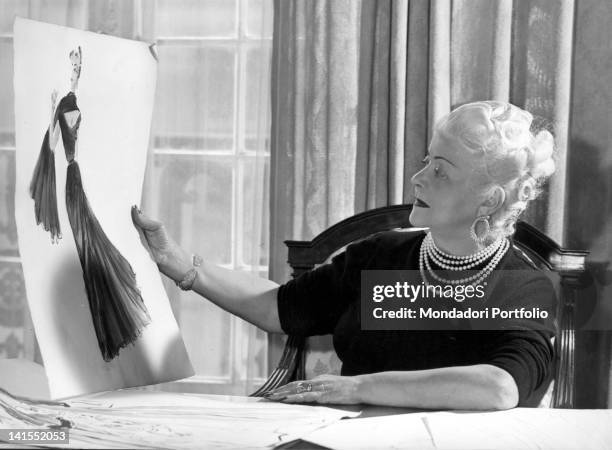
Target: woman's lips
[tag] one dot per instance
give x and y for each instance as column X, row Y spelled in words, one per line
column 420, row 203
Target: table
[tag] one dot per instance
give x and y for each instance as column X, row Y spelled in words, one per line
column 136, row 418
column 519, row 428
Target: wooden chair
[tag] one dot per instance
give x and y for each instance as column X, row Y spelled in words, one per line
column 536, row 248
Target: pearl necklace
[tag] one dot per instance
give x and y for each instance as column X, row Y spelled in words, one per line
column 454, row 263
column 479, row 255
column 467, row 262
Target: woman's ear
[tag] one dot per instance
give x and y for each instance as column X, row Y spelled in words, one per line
column 492, row 202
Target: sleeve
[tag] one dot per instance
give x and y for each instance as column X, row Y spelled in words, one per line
column 312, row 303
column 527, row 356
column 524, row 348
column 42, row 190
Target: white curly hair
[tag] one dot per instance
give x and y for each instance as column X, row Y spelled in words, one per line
column 510, row 154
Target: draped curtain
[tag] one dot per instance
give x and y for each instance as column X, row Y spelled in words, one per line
column 358, row 86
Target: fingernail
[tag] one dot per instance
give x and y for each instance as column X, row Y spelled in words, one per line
column 275, row 397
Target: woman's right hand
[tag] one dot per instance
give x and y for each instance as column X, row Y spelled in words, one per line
column 171, row 259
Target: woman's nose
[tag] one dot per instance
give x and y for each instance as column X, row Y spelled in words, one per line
column 417, row 178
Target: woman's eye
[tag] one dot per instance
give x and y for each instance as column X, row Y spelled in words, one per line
column 439, row 172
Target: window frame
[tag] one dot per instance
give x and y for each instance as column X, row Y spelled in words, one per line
column 144, row 17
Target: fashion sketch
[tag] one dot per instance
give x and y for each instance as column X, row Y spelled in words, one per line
column 117, row 308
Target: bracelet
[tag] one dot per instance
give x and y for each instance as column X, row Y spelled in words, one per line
column 189, row 278
column 187, row 282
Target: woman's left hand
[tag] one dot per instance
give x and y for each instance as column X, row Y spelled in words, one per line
column 170, row 258
column 322, row 389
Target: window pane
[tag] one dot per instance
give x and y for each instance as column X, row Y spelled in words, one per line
column 254, row 211
column 194, row 198
column 194, row 195
column 254, row 351
column 12, row 310
column 8, row 229
column 259, row 21
column 206, row 331
column 257, row 99
column 211, row 18
column 8, row 10
column 71, row 13
column 7, row 121
column 195, row 98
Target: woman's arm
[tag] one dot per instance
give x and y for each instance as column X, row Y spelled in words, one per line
column 247, row 296
column 481, row 386
column 54, row 128
column 476, row 387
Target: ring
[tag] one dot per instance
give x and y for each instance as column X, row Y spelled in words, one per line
column 303, row 387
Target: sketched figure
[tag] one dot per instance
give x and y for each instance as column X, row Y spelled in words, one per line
column 117, row 308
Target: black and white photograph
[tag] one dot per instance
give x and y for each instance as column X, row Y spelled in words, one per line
column 321, row 224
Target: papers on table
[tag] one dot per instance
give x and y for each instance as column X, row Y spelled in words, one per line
column 139, row 419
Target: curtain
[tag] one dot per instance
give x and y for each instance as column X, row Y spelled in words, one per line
column 314, row 122
column 589, row 198
column 393, row 81
column 359, row 85
column 417, row 60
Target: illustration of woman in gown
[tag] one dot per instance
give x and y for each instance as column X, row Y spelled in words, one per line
column 117, row 308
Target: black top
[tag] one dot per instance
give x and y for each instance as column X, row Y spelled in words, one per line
column 326, row 301
column 69, row 133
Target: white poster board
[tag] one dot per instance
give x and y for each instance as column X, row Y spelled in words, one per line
column 115, row 97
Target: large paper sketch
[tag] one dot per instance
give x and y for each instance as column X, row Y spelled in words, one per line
column 99, row 309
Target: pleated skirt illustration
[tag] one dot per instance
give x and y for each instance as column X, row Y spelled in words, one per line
column 117, row 308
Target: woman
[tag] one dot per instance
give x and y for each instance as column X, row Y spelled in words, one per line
column 117, row 308
column 483, row 167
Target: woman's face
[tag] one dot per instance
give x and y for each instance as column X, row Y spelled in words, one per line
column 75, row 60
column 444, row 198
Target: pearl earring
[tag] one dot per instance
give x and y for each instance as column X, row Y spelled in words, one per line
column 473, row 233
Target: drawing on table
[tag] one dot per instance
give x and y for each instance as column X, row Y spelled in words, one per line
column 117, row 308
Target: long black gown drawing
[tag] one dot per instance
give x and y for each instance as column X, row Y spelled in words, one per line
column 117, row 308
